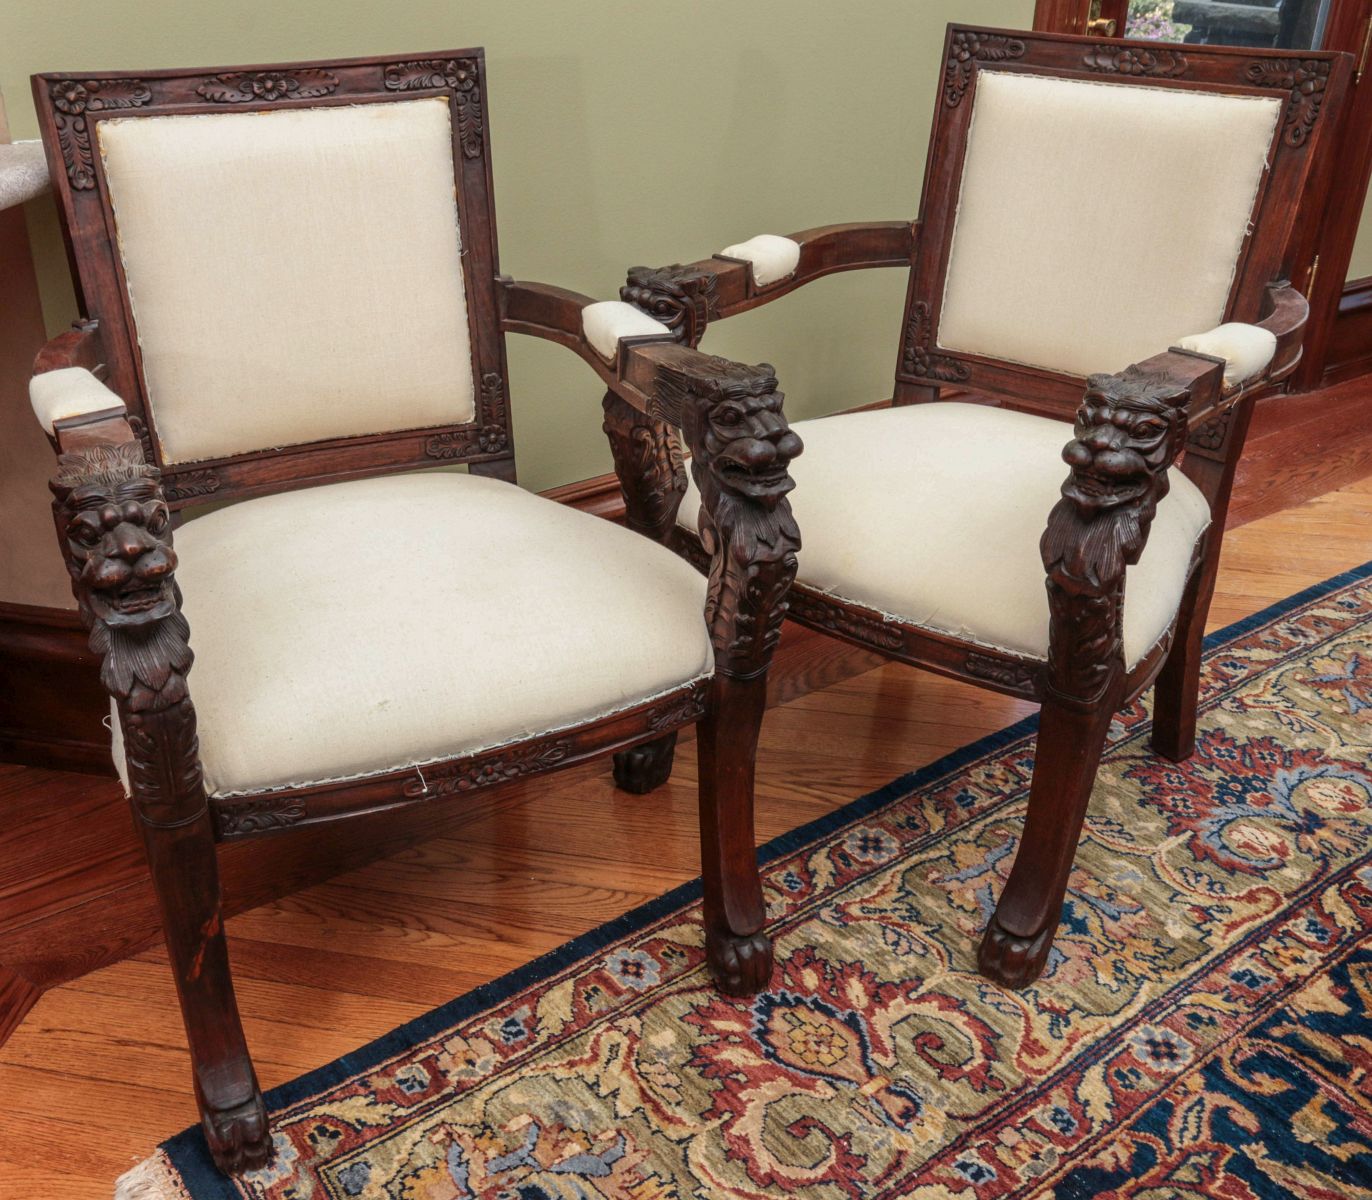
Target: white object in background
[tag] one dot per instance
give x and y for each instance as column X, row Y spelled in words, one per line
column 23, row 172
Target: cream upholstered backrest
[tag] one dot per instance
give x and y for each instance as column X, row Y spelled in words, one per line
column 1098, row 222
column 293, row 275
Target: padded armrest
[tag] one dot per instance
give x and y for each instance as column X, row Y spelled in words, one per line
column 772, row 258
column 1246, row 349
column 67, row 393
column 606, row 321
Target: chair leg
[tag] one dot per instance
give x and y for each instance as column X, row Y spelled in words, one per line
column 644, row 767
column 739, row 953
column 185, row 873
column 1176, row 691
column 1015, row 946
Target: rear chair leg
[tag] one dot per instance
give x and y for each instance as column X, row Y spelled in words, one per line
column 739, row 953
column 1176, row 692
column 652, row 480
column 1016, row 943
column 646, row 766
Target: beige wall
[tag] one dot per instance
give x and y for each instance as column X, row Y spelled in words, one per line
column 1360, row 264
column 622, row 133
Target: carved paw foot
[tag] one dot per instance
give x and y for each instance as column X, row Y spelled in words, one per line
column 640, row 769
column 1011, row 960
column 240, row 1139
column 741, row 966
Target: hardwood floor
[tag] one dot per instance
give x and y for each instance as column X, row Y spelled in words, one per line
column 97, row 1073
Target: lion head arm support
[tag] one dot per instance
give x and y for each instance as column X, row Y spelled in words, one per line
column 741, row 447
column 114, row 527
column 1129, row 430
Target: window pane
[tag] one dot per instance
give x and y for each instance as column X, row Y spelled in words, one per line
column 1290, row 24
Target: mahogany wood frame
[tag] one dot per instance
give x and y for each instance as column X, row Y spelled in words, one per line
column 114, row 496
column 1172, row 406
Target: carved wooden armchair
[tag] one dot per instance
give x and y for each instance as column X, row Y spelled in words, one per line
column 1088, row 205
column 293, row 303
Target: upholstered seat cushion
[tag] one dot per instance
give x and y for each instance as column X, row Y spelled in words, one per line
column 358, row 627
column 932, row 514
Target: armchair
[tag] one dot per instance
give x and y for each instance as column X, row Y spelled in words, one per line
column 1088, row 204
column 293, row 307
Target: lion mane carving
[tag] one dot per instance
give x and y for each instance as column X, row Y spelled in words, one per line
column 1129, row 429
column 741, row 449
column 116, row 527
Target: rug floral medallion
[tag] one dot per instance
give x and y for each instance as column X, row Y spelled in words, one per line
column 1203, row 1029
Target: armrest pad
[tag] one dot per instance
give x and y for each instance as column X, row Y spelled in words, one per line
column 69, row 392
column 772, row 258
column 606, row 321
column 1246, row 349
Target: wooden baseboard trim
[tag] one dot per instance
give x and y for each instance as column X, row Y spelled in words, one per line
column 17, row 996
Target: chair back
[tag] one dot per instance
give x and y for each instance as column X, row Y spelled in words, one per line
column 293, row 267
column 1089, row 202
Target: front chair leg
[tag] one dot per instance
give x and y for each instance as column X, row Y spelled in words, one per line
column 741, row 447
column 186, row 876
column 739, row 953
column 642, row 768
column 1129, row 430
column 1016, row 943
column 116, row 533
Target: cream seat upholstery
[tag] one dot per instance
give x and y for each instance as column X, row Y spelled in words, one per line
column 358, row 627
column 932, row 514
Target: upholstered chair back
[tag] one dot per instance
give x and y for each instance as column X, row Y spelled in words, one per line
column 1089, row 204
column 1098, row 223
column 293, row 275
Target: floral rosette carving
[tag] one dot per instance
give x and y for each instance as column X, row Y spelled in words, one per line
column 1304, row 79
column 72, row 100
column 918, row 357
column 1121, row 60
column 269, row 86
column 966, row 50
column 458, row 74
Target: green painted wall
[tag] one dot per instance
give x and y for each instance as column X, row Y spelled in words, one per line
column 622, row 133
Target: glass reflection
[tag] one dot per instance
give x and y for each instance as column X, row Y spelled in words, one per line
column 1288, row 24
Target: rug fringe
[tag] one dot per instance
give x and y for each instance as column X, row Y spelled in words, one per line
column 152, row 1179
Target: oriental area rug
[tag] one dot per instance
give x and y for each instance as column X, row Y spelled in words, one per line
column 1203, row 1029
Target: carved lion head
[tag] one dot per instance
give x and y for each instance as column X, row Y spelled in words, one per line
column 746, row 442
column 1129, row 427
column 682, row 298
column 115, row 523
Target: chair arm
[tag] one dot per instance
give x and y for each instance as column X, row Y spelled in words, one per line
column 1130, row 429
column 79, row 346
column 741, row 446
column 555, row 314
column 1283, row 316
column 66, row 388
column 685, row 297
column 114, row 528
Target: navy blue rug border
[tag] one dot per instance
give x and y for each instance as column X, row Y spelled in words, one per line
column 190, row 1155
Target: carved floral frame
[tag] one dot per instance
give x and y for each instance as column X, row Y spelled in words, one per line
column 70, row 108
column 1309, row 84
